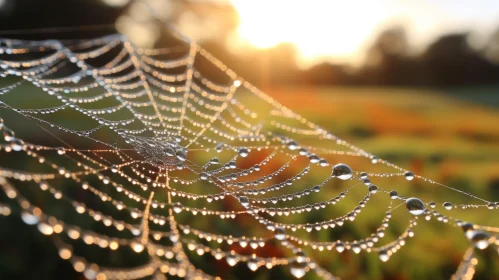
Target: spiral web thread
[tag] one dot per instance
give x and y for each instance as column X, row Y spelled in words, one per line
column 172, row 142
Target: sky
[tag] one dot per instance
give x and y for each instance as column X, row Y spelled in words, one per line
column 340, row 31
column 337, row 31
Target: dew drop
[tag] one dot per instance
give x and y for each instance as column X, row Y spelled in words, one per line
column 114, row 168
column 45, row 228
column 232, row 259
column 480, row 239
column 373, row 189
column 340, row 247
column 61, row 151
column 415, row 206
column 169, row 151
column 65, row 253
column 219, row 148
column 342, row 171
column 280, row 233
column 292, row 145
column 356, row 248
column 17, row 144
column 383, row 256
column 467, row 228
column 177, row 207
column 8, row 134
column 29, row 218
column 137, row 246
column 314, row 158
column 303, row 152
column 244, row 200
column 298, row 269
column 447, row 205
column 181, row 154
column 243, row 152
column 44, row 185
column 394, row 195
column 409, row 176
column 253, row 263
column 363, row 175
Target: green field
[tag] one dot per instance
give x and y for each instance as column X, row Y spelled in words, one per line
column 445, row 135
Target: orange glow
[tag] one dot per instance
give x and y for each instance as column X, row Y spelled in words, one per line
column 317, row 28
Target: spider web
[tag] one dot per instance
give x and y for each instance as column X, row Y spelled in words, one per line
column 132, row 149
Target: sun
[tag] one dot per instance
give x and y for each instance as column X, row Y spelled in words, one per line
column 318, row 28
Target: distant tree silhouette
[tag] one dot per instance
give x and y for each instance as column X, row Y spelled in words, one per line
column 388, row 60
column 450, row 60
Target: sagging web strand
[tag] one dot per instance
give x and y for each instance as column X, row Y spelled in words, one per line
column 174, row 112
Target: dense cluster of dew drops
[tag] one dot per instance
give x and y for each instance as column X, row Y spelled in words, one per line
column 177, row 131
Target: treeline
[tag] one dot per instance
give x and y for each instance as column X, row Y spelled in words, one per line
column 451, row 60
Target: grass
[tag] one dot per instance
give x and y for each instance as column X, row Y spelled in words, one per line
column 433, row 133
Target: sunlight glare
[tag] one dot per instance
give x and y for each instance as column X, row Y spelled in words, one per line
column 317, row 28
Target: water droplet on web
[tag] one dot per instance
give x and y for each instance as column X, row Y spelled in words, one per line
column 394, row 195
column 467, row 228
column 383, row 255
column 137, row 246
column 374, row 160
column 253, row 263
column 1, row 123
column 243, row 152
column 44, row 185
column 280, row 233
column 45, row 228
column 432, row 204
column 114, row 168
column 342, row 171
column 8, row 134
column 169, row 151
column 181, row 154
column 356, row 248
column 415, row 206
column 363, row 175
column 61, row 151
column 203, row 176
column 177, row 207
column 340, row 247
column 292, row 145
column 409, row 176
column 303, row 151
column 244, row 201
column 447, row 205
column 480, row 239
column 298, row 269
column 373, row 189
column 232, row 259
column 17, row 144
column 29, row 218
column 219, row 147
